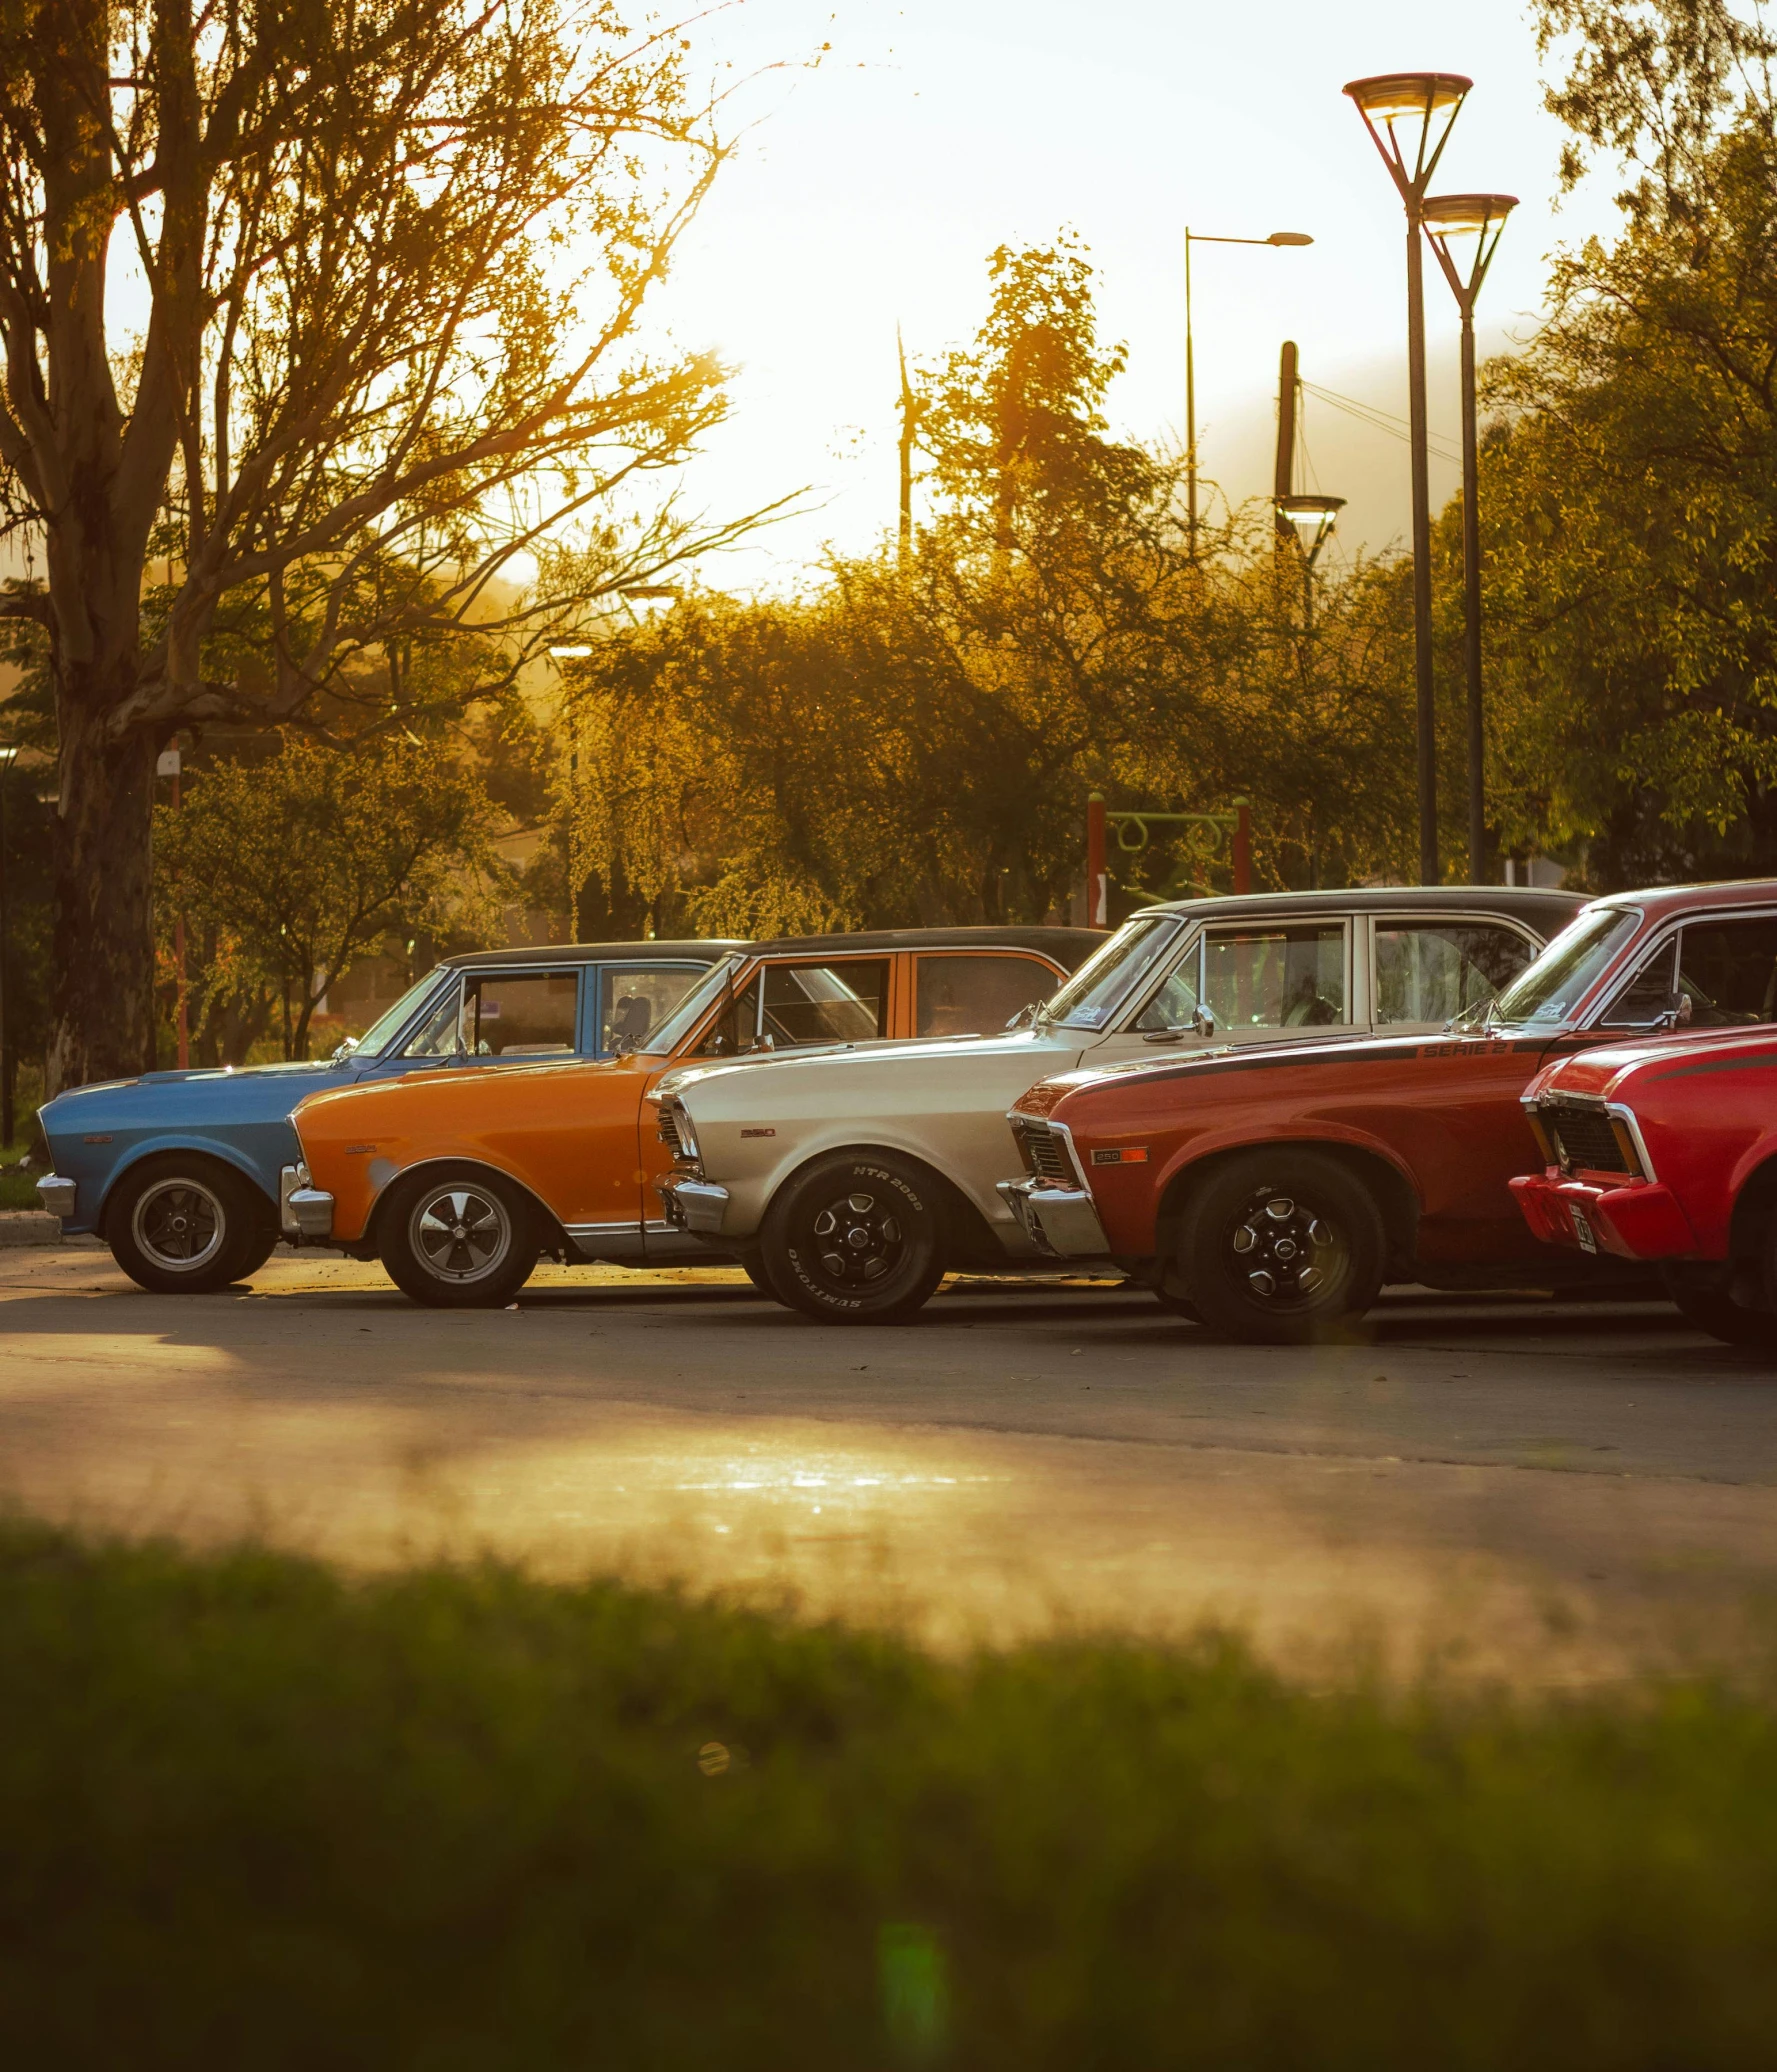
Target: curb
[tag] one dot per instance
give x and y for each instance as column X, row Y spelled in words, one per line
column 31, row 1227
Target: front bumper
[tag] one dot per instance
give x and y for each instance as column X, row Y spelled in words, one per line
column 310, row 1210
column 57, row 1195
column 695, row 1205
column 1062, row 1222
column 1642, row 1222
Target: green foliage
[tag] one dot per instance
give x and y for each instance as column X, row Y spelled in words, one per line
column 289, row 868
column 259, row 1816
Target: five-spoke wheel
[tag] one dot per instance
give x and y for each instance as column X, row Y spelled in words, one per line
column 1281, row 1246
column 857, row 1238
column 185, row 1224
column 457, row 1238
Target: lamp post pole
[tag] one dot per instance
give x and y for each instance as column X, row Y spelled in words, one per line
column 1197, row 237
column 8, row 756
column 576, row 652
column 1421, row 106
column 1482, row 217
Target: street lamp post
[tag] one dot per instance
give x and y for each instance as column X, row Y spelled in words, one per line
column 578, row 652
column 1196, row 237
column 8, row 756
column 1312, row 518
column 1408, row 116
column 1481, row 217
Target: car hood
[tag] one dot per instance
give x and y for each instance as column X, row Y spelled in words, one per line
column 887, row 1054
column 1615, row 1069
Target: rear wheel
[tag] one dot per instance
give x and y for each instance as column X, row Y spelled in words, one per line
column 458, row 1238
column 181, row 1225
column 856, row 1239
column 1282, row 1248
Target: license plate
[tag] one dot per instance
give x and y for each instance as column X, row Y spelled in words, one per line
column 1582, row 1229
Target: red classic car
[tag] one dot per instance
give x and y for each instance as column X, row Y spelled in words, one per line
column 1275, row 1192
column 1667, row 1150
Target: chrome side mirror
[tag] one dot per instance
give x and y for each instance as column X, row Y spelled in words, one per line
column 1203, row 1021
column 1678, row 1012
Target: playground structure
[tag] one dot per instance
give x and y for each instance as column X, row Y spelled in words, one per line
column 1236, row 824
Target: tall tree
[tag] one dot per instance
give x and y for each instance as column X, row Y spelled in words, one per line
column 325, row 309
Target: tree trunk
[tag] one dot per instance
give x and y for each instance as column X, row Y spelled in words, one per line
column 102, row 1018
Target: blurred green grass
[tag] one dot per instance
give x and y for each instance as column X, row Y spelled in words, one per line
column 253, row 1814
column 17, row 1190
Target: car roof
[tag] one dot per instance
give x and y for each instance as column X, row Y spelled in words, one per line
column 556, row 954
column 1657, row 901
column 1542, row 906
column 1070, row 947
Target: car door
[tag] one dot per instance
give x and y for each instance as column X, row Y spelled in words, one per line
column 1257, row 982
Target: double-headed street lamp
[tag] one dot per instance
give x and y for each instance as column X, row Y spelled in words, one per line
column 1196, row 237
column 1312, row 519
column 1482, row 218
column 1408, row 116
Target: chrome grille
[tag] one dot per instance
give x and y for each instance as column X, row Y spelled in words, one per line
column 1583, row 1139
column 1045, row 1155
column 669, row 1130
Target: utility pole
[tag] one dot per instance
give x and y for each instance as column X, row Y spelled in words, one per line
column 1285, row 478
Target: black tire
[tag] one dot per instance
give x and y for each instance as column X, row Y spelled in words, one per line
column 1714, row 1310
column 182, row 1224
column 457, row 1237
column 856, row 1239
column 752, row 1264
column 1312, row 1228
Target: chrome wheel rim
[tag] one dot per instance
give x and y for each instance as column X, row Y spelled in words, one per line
column 460, row 1234
column 857, row 1240
column 1285, row 1254
column 179, row 1225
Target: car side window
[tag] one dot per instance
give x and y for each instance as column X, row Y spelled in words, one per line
column 1728, row 971
column 1276, row 978
column 1430, row 971
column 636, row 998
column 1176, row 1001
column 842, row 1002
column 965, row 993
column 503, row 1014
column 1647, row 996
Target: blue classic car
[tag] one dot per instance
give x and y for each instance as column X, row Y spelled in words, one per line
column 186, row 1174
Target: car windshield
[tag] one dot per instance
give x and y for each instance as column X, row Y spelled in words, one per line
column 1550, row 989
column 666, row 1038
column 1092, row 995
column 383, row 1031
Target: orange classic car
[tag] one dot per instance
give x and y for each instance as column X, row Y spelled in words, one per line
column 457, row 1179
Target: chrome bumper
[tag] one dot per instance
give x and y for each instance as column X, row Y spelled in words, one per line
column 1060, row 1221
column 310, row 1210
column 695, row 1205
column 57, row 1195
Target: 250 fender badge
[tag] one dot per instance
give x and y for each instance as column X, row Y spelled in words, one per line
column 357, row 1150
column 758, row 1133
column 1128, row 1154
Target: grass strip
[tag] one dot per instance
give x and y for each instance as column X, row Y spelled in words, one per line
column 256, row 1814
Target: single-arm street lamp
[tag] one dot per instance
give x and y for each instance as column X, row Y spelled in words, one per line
column 1408, row 116
column 1313, row 519
column 1482, row 218
column 1196, row 237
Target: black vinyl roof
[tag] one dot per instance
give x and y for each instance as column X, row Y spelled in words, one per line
column 1541, row 908
column 1070, row 947
column 702, row 949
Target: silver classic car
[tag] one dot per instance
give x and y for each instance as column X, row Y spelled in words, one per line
column 851, row 1182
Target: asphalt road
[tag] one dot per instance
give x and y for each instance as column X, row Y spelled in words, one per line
column 1497, row 1486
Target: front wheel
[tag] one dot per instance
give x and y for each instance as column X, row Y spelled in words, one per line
column 181, row 1225
column 856, row 1239
column 458, row 1239
column 1282, row 1248
column 1714, row 1310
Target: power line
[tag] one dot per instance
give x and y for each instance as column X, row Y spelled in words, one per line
column 1379, row 420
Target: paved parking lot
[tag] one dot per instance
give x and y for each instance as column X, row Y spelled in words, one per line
column 1504, row 1486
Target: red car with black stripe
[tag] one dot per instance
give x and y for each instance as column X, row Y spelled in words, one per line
column 1274, row 1193
column 1666, row 1151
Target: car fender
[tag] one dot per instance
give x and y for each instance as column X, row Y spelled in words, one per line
column 381, row 1182
column 1305, row 1132
column 751, row 1197
column 163, row 1141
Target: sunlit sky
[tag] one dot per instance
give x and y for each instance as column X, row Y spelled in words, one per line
column 869, row 191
